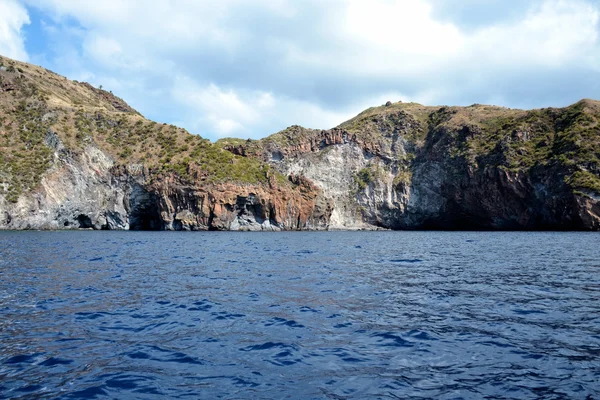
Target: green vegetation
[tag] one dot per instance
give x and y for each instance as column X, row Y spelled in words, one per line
column 584, row 180
column 167, row 149
column 378, row 124
column 79, row 115
column 290, row 137
column 220, row 165
column 364, row 177
column 402, row 178
column 39, row 104
column 24, row 155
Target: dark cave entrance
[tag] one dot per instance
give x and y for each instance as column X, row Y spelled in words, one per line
column 144, row 214
column 84, row 221
column 145, row 219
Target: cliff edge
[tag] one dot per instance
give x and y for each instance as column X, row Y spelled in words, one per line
column 73, row 156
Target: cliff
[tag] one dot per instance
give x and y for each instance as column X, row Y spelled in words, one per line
column 407, row 166
column 73, row 156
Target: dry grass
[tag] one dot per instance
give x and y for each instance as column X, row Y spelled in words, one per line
column 35, row 101
column 39, row 101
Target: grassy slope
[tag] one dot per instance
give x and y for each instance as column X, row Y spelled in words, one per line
column 289, row 137
column 508, row 138
column 484, row 136
column 35, row 101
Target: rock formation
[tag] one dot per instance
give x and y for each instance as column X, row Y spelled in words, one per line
column 73, row 156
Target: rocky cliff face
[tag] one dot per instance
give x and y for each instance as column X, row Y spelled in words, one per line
column 405, row 166
column 89, row 190
column 72, row 156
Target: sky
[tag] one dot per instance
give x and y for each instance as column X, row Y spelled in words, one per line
column 240, row 68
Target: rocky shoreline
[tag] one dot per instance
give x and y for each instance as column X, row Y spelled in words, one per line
column 76, row 157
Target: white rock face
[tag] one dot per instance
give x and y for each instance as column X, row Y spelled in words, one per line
column 332, row 170
column 74, row 193
column 87, row 191
column 360, row 190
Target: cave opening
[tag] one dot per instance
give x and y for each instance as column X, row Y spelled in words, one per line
column 145, row 219
column 145, row 212
column 85, row 222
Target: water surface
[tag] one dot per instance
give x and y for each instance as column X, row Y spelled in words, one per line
column 315, row 315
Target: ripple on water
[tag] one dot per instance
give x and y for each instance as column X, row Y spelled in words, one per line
column 318, row 315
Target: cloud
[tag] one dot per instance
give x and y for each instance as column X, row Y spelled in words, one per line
column 556, row 33
column 243, row 68
column 228, row 112
column 12, row 18
column 225, row 110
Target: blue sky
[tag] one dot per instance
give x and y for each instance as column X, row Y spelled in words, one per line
column 251, row 68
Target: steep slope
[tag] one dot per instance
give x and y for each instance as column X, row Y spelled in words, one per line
column 407, row 166
column 73, row 156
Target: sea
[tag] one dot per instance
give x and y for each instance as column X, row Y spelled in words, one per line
column 299, row 315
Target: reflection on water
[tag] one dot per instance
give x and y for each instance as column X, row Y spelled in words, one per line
column 299, row 315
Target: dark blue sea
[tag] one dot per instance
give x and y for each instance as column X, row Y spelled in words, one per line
column 299, row 315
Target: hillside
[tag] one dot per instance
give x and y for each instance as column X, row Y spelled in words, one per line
column 411, row 166
column 75, row 156
column 49, row 123
column 486, row 136
column 36, row 101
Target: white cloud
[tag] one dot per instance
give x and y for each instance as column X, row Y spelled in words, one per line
column 401, row 39
column 554, row 34
column 402, row 34
column 243, row 68
column 227, row 112
column 104, row 49
column 12, row 18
